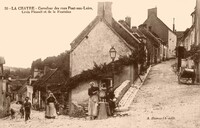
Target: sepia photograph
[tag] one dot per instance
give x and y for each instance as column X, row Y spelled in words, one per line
column 100, row 64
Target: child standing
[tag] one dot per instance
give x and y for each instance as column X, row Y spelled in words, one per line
column 27, row 108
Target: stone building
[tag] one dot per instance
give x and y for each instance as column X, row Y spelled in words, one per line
column 157, row 26
column 154, row 45
column 92, row 46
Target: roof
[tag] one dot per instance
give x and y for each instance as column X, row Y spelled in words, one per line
column 179, row 34
column 54, row 78
column 160, row 22
column 41, row 81
column 118, row 29
column 151, row 36
column 125, row 34
column 17, row 84
column 133, row 31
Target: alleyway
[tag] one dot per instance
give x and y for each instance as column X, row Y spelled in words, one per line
column 160, row 103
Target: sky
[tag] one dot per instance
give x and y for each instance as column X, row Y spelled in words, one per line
column 25, row 37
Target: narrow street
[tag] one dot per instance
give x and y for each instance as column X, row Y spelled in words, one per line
column 160, row 103
column 163, row 103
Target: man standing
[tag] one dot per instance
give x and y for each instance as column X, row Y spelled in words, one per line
column 27, row 108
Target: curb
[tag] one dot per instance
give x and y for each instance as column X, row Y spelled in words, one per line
column 126, row 107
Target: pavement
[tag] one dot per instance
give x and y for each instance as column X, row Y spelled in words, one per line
column 159, row 103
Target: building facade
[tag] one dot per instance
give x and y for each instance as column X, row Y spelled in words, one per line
column 157, row 26
column 92, row 47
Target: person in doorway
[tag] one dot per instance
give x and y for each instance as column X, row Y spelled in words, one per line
column 27, row 108
column 93, row 100
column 51, row 111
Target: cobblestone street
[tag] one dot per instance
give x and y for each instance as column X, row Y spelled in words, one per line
column 160, row 103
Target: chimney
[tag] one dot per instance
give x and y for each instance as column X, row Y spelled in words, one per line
column 100, row 11
column 134, row 28
column 152, row 11
column 108, row 12
column 173, row 24
column 128, row 21
column 105, row 11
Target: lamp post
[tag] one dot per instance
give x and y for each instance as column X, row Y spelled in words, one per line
column 112, row 56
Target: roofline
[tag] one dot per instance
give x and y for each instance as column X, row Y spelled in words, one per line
column 152, row 37
column 161, row 22
column 166, row 25
column 128, row 32
column 110, row 26
column 47, row 77
column 93, row 25
column 129, row 46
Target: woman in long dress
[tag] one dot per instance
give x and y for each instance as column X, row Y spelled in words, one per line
column 50, row 109
column 93, row 100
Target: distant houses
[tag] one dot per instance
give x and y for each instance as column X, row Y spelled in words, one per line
column 169, row 37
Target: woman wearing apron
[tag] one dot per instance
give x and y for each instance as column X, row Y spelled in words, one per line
column 50, row 109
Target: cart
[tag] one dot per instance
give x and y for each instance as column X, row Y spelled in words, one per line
column 186, row 73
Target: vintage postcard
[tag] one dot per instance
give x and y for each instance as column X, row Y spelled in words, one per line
column 99, row 64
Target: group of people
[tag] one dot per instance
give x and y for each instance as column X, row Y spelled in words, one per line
column 102, row 94
column 25, row 109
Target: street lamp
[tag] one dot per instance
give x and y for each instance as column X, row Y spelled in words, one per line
column 112, row 56
column 112, row 53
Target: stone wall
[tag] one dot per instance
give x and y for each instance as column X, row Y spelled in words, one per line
column 95, row 48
